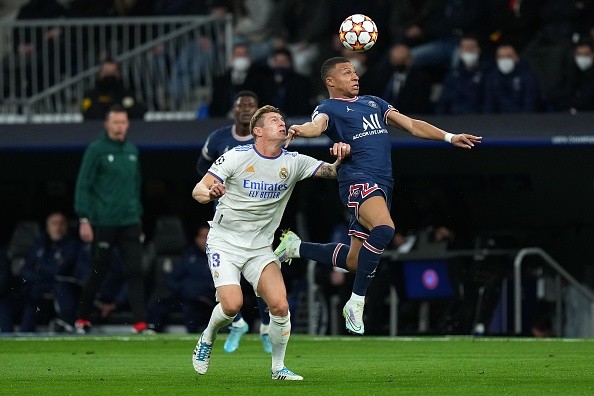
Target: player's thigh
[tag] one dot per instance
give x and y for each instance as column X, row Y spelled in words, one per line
column 374, row 212
column 271, row 287
column 231, row 298
column 225, row 265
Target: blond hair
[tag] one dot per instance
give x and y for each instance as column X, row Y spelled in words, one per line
column 257, row 117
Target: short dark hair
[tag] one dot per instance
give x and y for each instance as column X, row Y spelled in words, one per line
column 246, row 94
column 116, row 108
column 260, row 113
column 329, row 64
column 283, row 51
column 470, row 36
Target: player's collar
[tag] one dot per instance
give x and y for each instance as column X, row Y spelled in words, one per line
column 347, row 100
column 265, row 156
column 237, row 137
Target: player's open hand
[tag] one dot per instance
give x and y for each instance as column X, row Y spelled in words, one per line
column 340, row 150
column 465, row 140
column 292, row 133
column 217, row 190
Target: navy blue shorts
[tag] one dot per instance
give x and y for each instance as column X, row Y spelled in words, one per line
column 353, row 195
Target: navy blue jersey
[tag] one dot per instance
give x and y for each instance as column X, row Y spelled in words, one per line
column 218, row 143
column 362, row 123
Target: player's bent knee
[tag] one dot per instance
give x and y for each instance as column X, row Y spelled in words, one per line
column 279, row 308
column 231, row 305
column 382, row 235
column 231, row 309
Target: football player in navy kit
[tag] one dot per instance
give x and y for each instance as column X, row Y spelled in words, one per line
column 236, row 134
column 365, row 178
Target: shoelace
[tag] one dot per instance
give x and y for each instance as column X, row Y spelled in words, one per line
column 203, row 351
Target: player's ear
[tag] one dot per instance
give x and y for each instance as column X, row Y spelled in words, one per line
column 257, row 131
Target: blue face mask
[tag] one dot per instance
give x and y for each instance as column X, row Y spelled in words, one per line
column 281, row 70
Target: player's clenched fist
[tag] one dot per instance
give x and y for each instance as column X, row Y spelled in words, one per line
column 216, row 190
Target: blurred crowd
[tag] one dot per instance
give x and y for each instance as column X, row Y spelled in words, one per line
column 432, row 56
column 42, row 271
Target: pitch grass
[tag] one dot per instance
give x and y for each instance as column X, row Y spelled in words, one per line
column 363, row 366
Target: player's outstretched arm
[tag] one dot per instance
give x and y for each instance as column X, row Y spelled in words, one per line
column 310, row 129
column 330, row 171
column 208, row 189
column 424, row 130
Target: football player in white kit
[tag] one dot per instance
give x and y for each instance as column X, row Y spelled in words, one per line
column 253, row 184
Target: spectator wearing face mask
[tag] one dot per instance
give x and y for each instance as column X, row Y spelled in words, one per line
column 289, row 91
column 463, row 86
column 241, row 75
column 404, row 87
column 577, row 93
column 110, row 90
column 511, row 87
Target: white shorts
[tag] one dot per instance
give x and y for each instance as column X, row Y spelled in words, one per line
column 228, row 262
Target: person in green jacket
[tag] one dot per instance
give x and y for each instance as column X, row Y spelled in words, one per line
column 107, row 202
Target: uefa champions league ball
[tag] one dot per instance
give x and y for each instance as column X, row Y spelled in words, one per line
column 358, row 33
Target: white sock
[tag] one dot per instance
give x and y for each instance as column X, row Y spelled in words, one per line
column 358, row 298
column 239, row 323
column 280, row 331
column 264, row 329
column 217, row 320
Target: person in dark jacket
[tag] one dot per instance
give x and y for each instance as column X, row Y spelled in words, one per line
column 192, row 282
column 108, row 203
column 47, row 268
column 406, row 88
column 110, row 90
column 511, row 87
column 464, row 84
column 577, row 93
column 7, row 294
column 241, row 75
column 288, row 90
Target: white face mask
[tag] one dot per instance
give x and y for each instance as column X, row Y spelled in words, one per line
column 506, row 65
column 469, row 58
column 241, row 64
column 583, row 62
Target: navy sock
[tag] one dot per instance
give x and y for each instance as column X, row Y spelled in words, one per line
column 334, row 254
column 264, row 313
column 237, row 317
column 369, row 257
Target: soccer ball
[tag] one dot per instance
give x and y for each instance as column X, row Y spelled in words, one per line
column 358, row 33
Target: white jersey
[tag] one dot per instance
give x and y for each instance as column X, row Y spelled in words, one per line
column 257, row 191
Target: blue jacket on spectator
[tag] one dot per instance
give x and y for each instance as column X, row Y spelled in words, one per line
column 516, row 92
column 5, row 275
column 463, row 90
column 46, row 261
column 191, row 277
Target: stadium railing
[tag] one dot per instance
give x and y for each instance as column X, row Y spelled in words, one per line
column 560, row 274
column 167, row 61
column 518, row 256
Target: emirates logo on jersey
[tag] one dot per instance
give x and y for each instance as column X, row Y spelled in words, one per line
column 283, row 173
